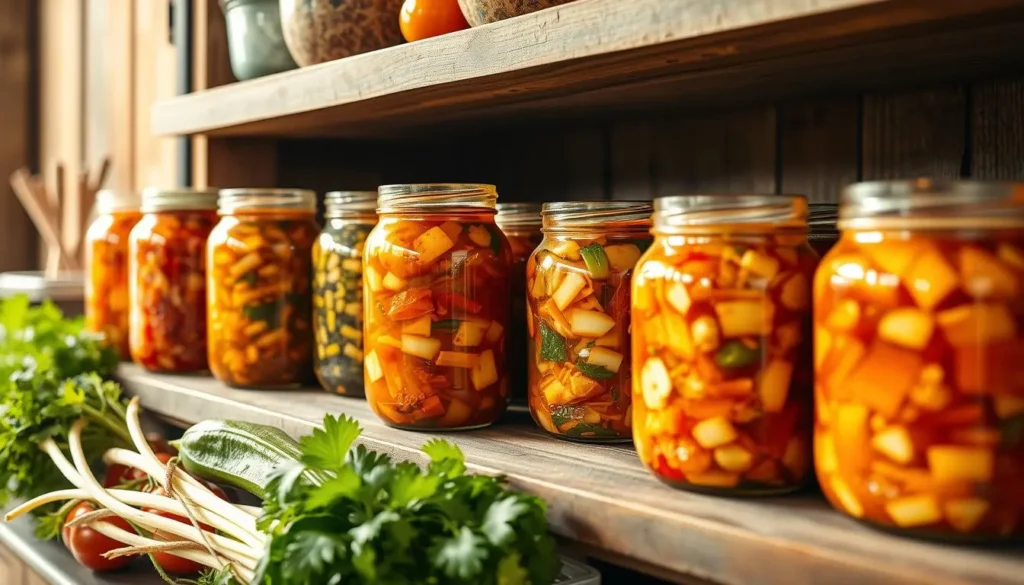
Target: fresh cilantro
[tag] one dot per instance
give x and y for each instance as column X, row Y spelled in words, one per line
column 373, row 520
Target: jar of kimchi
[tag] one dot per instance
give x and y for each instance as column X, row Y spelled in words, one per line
column 260, row 269
column 168, row 279
column 722, row 346
column 919, row 359
column 578, row 317
column 338, row 290
column 106, row 259
column 521, row 223
column 436, row 285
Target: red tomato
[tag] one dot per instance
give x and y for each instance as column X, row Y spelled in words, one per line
column 167, row 561
column 422, row 19
column 88, row 546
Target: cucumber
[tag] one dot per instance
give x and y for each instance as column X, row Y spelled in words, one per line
column 596, row 260
column 239, row 454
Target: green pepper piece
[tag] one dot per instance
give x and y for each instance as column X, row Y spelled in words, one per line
column 250, row 278
column 596, row 261
column 594, row 372
column 446, row 325
column 552, row 345
column 598, row 431
column 266, row 312
column 735, row 354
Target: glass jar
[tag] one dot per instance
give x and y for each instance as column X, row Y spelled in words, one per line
column 578, row 317
column 436, row 280
column 167, row 260
column 722, row 346
column 521, row 223
column 106, row 260
column 260, row 304
column 822, row 231
column 338, row 290
column 919, row 359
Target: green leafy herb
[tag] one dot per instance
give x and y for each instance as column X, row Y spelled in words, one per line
column 445, row 325
column 591, row 431
column 596, row 261
column 552, row 345
column 377, row 521
column 595, row 372
column 267, row 312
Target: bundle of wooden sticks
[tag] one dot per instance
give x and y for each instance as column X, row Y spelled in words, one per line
column 60, row 215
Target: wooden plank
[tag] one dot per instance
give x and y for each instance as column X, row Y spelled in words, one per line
column 121, row 58
column 915, row 134
column 720, row 152
column 600, row 495
column 997, row 122
column 19, row 236
column 581, row 46
column 154, row 157
column 819, row 148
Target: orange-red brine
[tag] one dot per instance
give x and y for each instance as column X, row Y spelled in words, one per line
column 168, row 280
column 578, row 318
column 107, row 306
column 919, row 359
column 436, row 297
column 259, row 276
column 721, row 344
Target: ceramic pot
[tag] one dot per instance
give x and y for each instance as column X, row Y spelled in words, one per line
column 323, row 30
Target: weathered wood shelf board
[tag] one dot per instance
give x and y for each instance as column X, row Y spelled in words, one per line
column 602, row 497
column 592, row 55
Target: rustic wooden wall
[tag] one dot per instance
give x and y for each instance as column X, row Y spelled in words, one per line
column 812, row 147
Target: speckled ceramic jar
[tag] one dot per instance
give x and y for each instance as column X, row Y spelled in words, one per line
column 323, row 30
column 480, row 12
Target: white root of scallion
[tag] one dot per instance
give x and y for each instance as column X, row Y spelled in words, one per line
column 185, row 484
column 244, row 574
column 232, row 549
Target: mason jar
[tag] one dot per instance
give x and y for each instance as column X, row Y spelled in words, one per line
column 919, row 359
column 168, row 279
column 721, row 344
column 338, row 290
column 521, row 223
column 436, row 284
column 107, row 308
column 822, row 232
column 578, row 317
column 260, row 304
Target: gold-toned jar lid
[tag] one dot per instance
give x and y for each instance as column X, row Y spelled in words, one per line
column 435, row 196
column 740, row 211
column 111, row 201
column 564, row 216
column 519, row 215
column 262, row 199
column 932, row 204
column 155, row 199
column 354, row 203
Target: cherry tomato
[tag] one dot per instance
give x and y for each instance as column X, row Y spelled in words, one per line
column 167, row 561
column 88, row 546
column 422, row 19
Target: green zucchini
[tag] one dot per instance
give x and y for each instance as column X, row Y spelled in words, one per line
column 552, row 345
column 596, row 261
column 735, row 354
column 239, row 454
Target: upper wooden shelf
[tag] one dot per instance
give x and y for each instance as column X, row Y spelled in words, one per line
column 594, row 55
column 602, row 497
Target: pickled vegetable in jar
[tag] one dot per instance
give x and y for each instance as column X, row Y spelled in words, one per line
column 721, row 344
column 338, row 290
column 919, row 359
column 436, row 290
column 822, row 231
column 168, row 279
column 578, row 317
column 107, row 305
column 521, row 223
column 260, row 304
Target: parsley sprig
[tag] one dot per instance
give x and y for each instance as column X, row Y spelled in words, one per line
column 377, row 521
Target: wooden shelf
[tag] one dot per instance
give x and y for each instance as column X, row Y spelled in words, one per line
column 592, row 55
column 602, row 497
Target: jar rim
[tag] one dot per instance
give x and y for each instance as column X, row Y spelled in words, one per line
column 156, row 199
column 435, row 196
column 926, row 203
column 339, row 203
column 259, row 198
column 576, row 215
column 113, row 201
column 519, row 215
column 740, row 211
